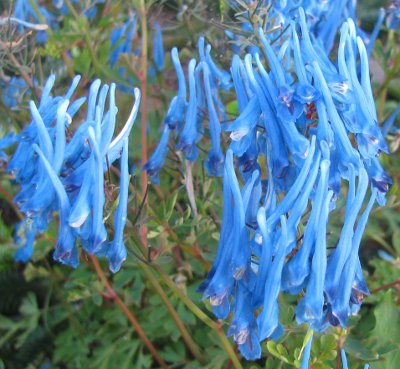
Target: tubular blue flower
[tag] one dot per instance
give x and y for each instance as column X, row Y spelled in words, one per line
column 310, row 309
column 251, row 194
column 344, row 359
column 247, row 163
column 240, row 261
column 268, row 320
column 99, row 234
column 243, row 327
column 223, row 78
column 176, row 111
column 309, row 52
column 340, row 255
column 309, row 167
column 81, row 207
column 156, row 161
column 13, row 91
column 363, row 121
column 115, row 147
column 8, row 140
column 347, row 152
column 280, row 160
column 239, row 79
column 379, row 179
column 324, row 130
column 305, row 92
column 374, row 35
column 122, row 39
column 23, row 10
column 340, row 306
column 158, row 47
column 393, row 15
column 66, row 251
column 387, row 125
column 189, row 135
column 219, row 283
column 243, row 126
column 116, row 252
column 215, row 160
column 287, row 108
column 297, row 269
column 108, row 125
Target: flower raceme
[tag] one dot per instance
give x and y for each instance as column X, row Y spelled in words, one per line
column 316, row 125
column 56, row 173
column 186, row 118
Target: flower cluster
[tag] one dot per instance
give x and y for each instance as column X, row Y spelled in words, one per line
column 317, row 127
column 186, row 118
column 62, row 171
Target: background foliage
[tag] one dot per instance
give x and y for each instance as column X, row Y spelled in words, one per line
column 53, row 316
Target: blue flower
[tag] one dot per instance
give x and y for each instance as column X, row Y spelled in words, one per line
column 66, row 251
column 340, row 306
column 243, row 327
column 339, row 256
column 156, row 161
column 393, row 15
column 215, row 160
column 280, row 160
column 298, row 268
column 189, row 135
column 23, row 10
column 68, row 177
column 387, row 125
column 268, row 320
column 243, row 126
column 121, row 39
column 13, row 91
column 116, row 252
column 158, row 47
column 177, row 108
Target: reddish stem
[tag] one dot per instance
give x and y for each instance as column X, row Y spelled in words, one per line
column 386, row 286
column 131, row 317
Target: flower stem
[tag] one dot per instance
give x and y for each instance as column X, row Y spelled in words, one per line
column 201, row 316
column 185, row 334
column 131, row 317
column 143, row 106
column 386, row 286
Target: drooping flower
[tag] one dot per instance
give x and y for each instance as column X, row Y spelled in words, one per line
column 158, row 47
column 189, row 134
column 68, row 177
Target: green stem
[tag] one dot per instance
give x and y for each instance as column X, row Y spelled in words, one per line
column 201, row 316
column 185, row 334
column 143, row 106
column 129, row 314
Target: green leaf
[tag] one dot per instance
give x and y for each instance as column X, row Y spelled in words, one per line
column 279, row 351
column 387, row 315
